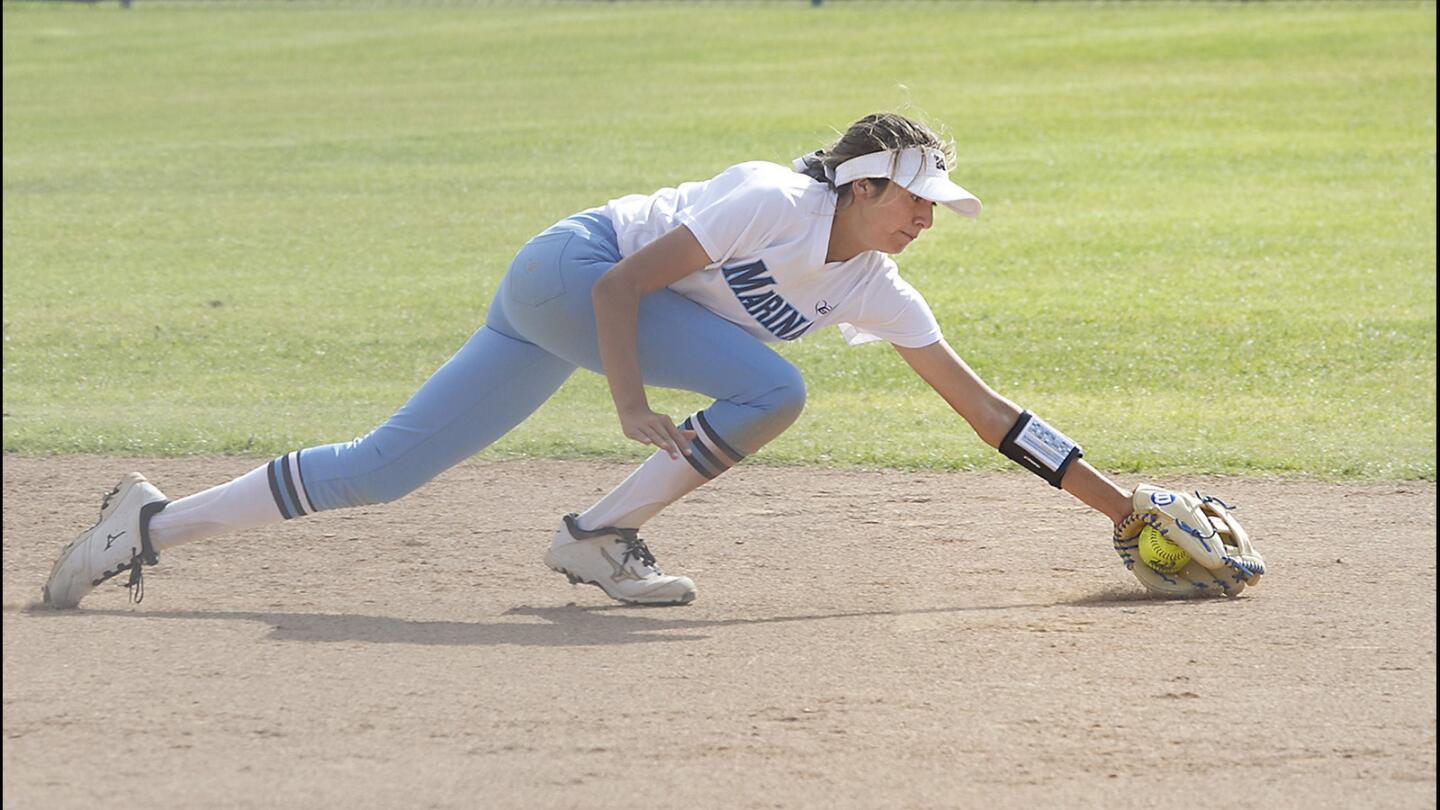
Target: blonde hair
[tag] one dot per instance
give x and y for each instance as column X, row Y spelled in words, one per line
column 878, row 132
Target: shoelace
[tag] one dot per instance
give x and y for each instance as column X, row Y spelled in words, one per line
column 136, row 585
column 635, row 548
column 105, row 504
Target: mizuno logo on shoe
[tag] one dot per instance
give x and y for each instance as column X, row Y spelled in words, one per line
column 621, row 572
column 111, row 538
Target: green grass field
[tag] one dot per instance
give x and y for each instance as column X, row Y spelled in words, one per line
column 1208, row 244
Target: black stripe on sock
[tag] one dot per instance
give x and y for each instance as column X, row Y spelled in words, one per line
column 300, row 481
column 700, row 468
column 715, row 437
column 275, row 491
column 713, row 463
column 698, row 448
column 290, row 485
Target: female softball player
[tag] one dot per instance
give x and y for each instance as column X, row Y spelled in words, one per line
column 681, row 288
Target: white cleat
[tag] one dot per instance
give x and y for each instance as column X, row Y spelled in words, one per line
column 119, row 541
column 616, row 561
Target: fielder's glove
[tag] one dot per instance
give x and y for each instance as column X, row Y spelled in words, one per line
column 1222, row 561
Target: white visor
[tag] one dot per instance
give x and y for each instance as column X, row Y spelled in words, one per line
column 919, row 170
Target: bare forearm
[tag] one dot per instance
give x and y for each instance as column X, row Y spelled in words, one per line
column 1081, row 480
column 992, row 416
column 616, row 314
column 1096, row 491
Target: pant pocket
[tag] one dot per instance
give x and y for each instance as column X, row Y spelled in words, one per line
column 534, row 276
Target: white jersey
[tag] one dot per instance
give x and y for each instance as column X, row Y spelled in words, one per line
column 766, row 229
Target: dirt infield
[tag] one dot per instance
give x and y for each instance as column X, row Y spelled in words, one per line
column 861, row 640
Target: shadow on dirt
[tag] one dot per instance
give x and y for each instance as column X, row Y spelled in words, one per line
column 567, row 626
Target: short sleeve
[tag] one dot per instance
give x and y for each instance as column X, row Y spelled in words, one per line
column 893, row 311
column 737, row 213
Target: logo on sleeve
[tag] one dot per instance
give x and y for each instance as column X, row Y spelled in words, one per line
column 750, row 283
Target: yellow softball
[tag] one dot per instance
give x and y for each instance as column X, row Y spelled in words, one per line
column 1160, row 553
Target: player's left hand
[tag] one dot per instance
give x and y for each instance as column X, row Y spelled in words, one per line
column 1222, row 560
column 648, row 427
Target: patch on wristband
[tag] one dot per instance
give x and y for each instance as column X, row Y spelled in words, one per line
column 1044, row 443
column 1039, row 448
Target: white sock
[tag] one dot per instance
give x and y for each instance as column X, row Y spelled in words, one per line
column 661, row 480
column 243, row 503
column 654, row 485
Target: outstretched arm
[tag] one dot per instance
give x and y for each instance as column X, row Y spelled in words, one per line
column 992, row 415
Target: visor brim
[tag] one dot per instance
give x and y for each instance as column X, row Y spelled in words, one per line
column 943, row 191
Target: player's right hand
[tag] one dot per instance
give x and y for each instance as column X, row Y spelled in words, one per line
column 647, row 427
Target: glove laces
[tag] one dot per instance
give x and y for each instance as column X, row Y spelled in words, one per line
column 1213, row 499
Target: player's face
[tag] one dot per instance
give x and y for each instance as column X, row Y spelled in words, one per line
column 895, row 218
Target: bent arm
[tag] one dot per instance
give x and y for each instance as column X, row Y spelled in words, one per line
column 616, row 297
column 992, row 415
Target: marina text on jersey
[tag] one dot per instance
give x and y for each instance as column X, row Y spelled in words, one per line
column 749, row 282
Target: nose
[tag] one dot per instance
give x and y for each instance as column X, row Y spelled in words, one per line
column 925, row 217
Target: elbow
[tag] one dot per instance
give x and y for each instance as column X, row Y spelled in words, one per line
column 995, row 421
column 613, row 288
column 602, row 289
column 605, row 295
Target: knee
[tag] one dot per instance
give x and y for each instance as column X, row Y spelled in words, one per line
column 387, row 488
column 363, row 474
column 784, row 402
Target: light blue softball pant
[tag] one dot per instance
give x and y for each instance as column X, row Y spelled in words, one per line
column 540, row 327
